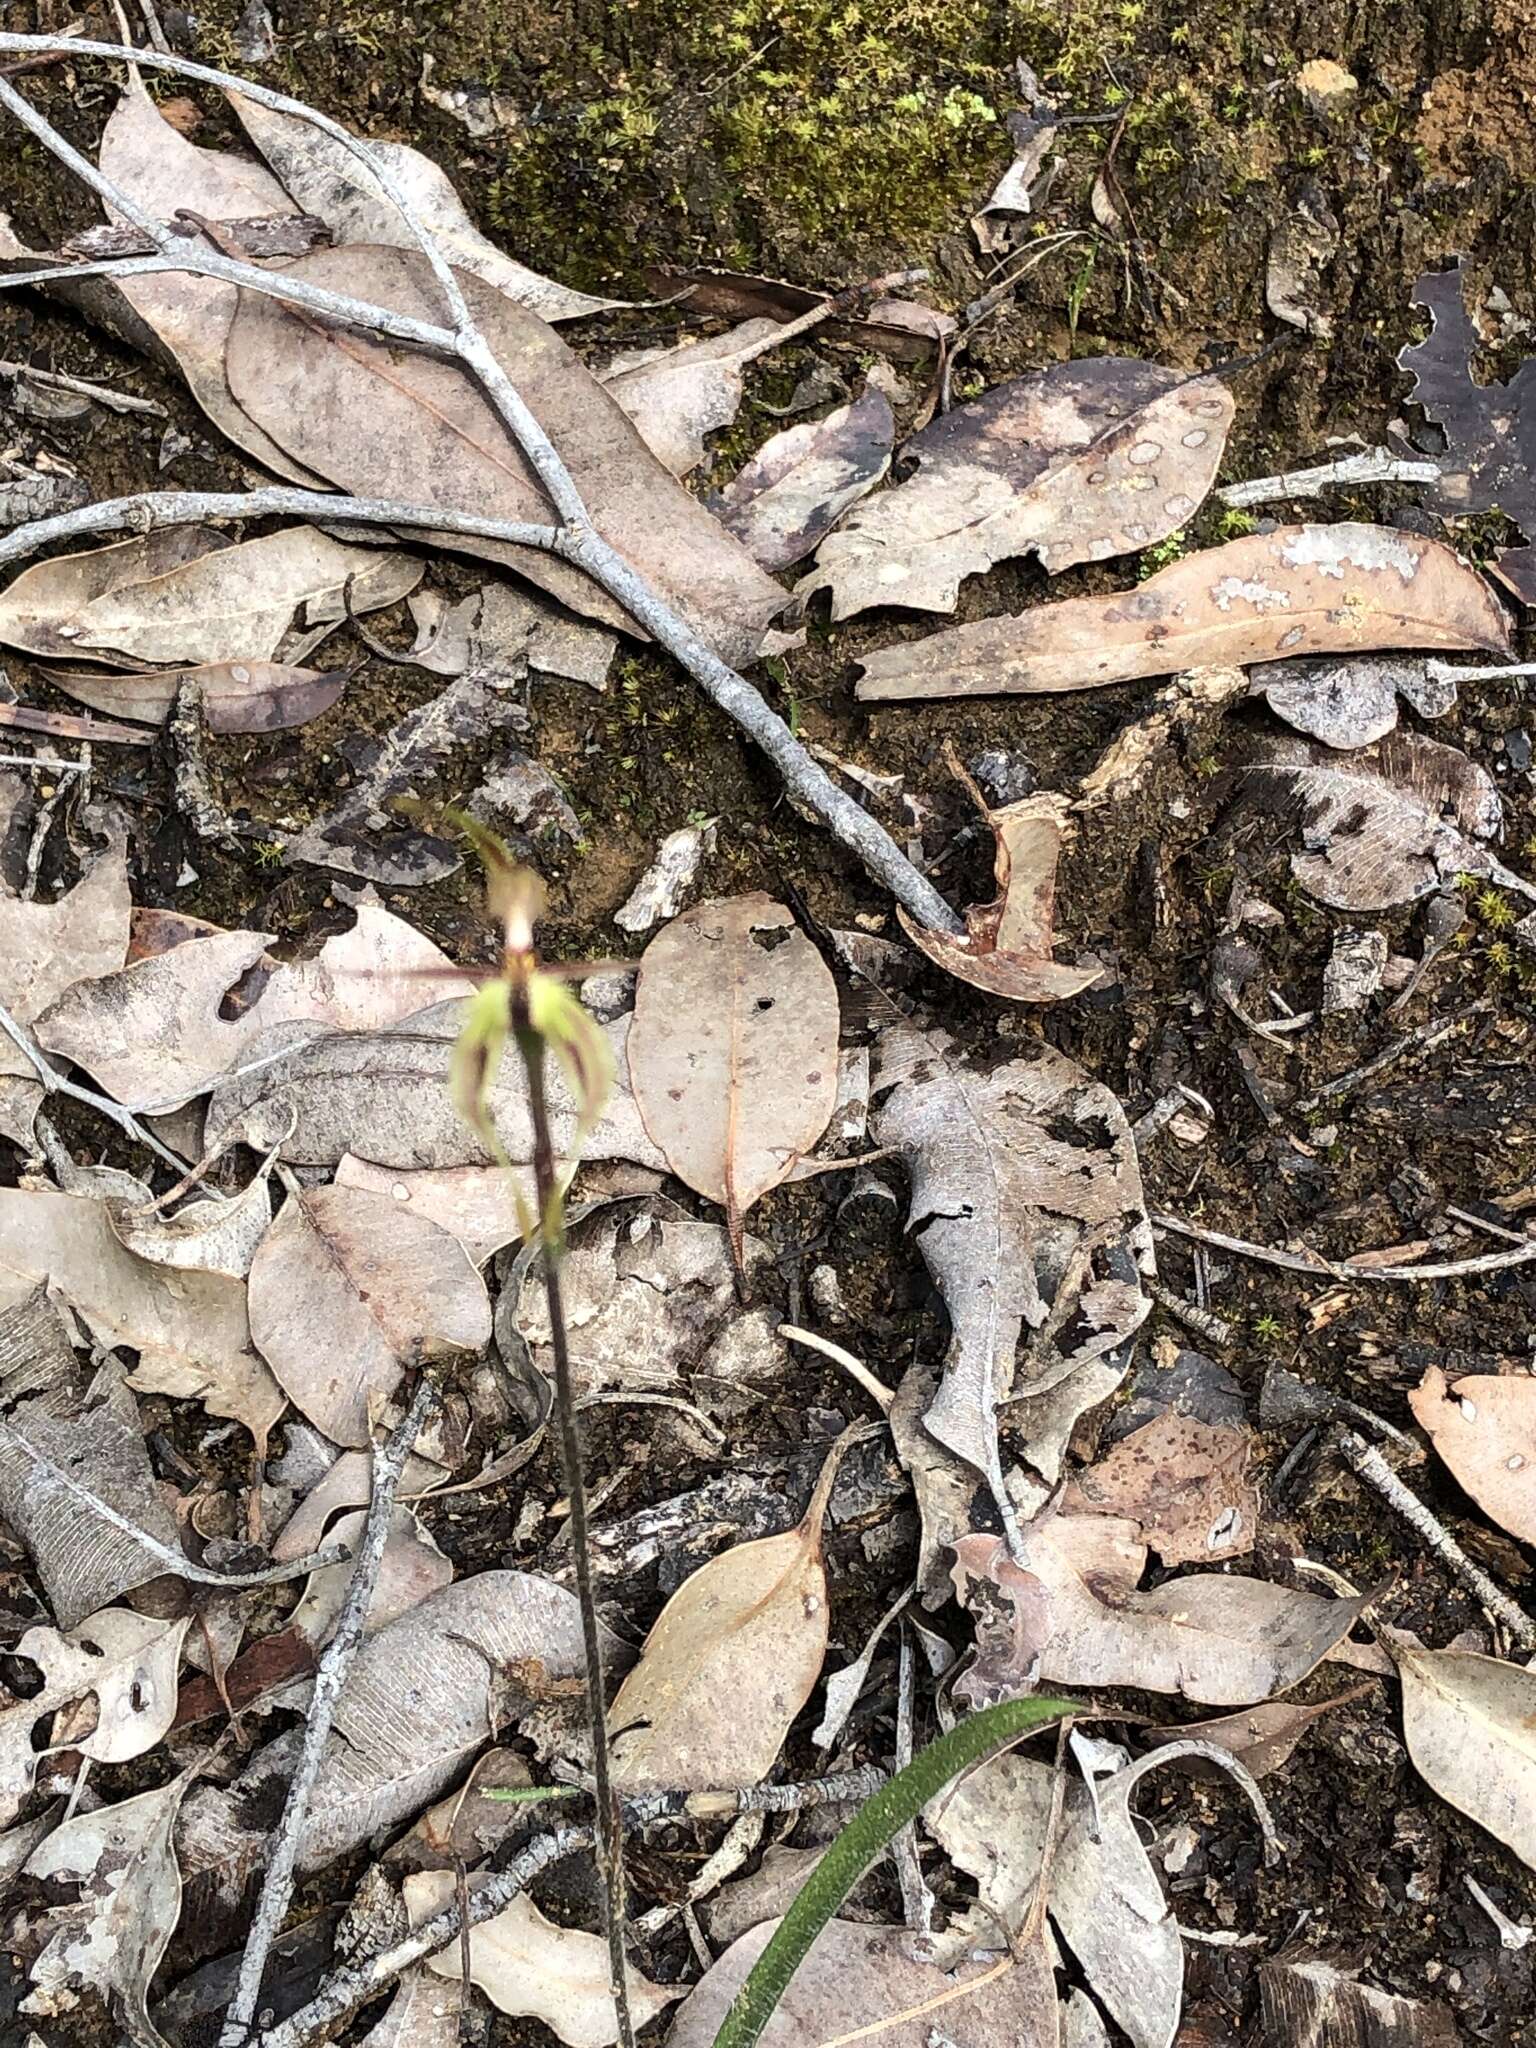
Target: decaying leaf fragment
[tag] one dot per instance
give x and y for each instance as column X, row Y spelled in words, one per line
column 1344, row 589
column 531, row 1968
column 1389, row 824
column 733, row 1048
column 1490, row 428
column 1077, row 462
column 1008, row 944
column 1027, row 1206
column 330, row 181
column 53, row 1413
column 383, row 423
column 1350, row 703
column 857, row 1975
column 111, row 1937
column 1485, row 1429
column 1185, row 1482
column 1470, row 1722
column 798, row 485
column 222, row 604
column 1262, row 1738
column 732, row 1658
column 389, row 1291
column 1309, row 2002
column 189, row 1329
column 39, row 608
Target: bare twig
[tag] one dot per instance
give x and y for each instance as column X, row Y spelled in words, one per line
column 55, row 1084
column 1368, row 1464
column 1203, row 1321
column 1374, row 466
column 353, row 1987
column 330, row 1677
column 1423, row 1040
column 103, row 394
column 855, row 1368
column 1317, row 1268
column 577, row 541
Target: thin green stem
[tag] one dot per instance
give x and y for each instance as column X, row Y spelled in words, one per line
column 856, row 1848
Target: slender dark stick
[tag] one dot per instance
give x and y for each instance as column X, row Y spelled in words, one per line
column 610, row 1826
column 330, row 1677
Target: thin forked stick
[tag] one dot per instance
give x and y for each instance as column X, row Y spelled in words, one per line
column 576, row 540
column 330, row 1677
column 54, row 1083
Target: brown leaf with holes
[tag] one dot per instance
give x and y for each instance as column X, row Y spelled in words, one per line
column 1007, row 946
column 1342, row 589
column 1185, row 1482
column 385, row 423
column 1075, row 463
column 1484, row 1428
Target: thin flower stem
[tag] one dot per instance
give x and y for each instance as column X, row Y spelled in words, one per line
column 610, row 1824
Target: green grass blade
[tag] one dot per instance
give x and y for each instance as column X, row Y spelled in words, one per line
column 866, row 1835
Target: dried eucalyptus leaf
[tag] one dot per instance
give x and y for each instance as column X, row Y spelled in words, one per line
column 733, row 1657
column 1075, row 463
column 40, row 608
column 328, row 180
column 158, row 1031
column 236, row 605
column 1485, row 1429
column 155, row 164
column 1470, row 1722
column 206, row 1236
column 1385, row 826
column 238, row 696
column 58, row 1418
column 389, row 1292
column 384, row 1094
column 413, row 1568
column 531, row 1968
column 1262, row 1738
column 421, row 431
column 733, row 1048
column 189, row 1329
column 44, row 947
column 782, row 503
column 1185, row 1482
column 1345, row 589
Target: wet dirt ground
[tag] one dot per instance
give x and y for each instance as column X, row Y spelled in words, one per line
column 825, row 140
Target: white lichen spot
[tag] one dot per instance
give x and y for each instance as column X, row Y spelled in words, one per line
column 1295, row 636
column 891, row 572
column 1096, row 476
column 1101, row 548
column 1178, row 506
column 1195, row 438
column 1333, row 549
column 1136, row 536
column 1468, row 1409
column 1515, row 1463
column 1232, row 588
column 1210, row 408
column 1145, row 452
column 1141, row 483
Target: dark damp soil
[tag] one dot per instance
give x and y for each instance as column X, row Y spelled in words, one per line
column 823, row 141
